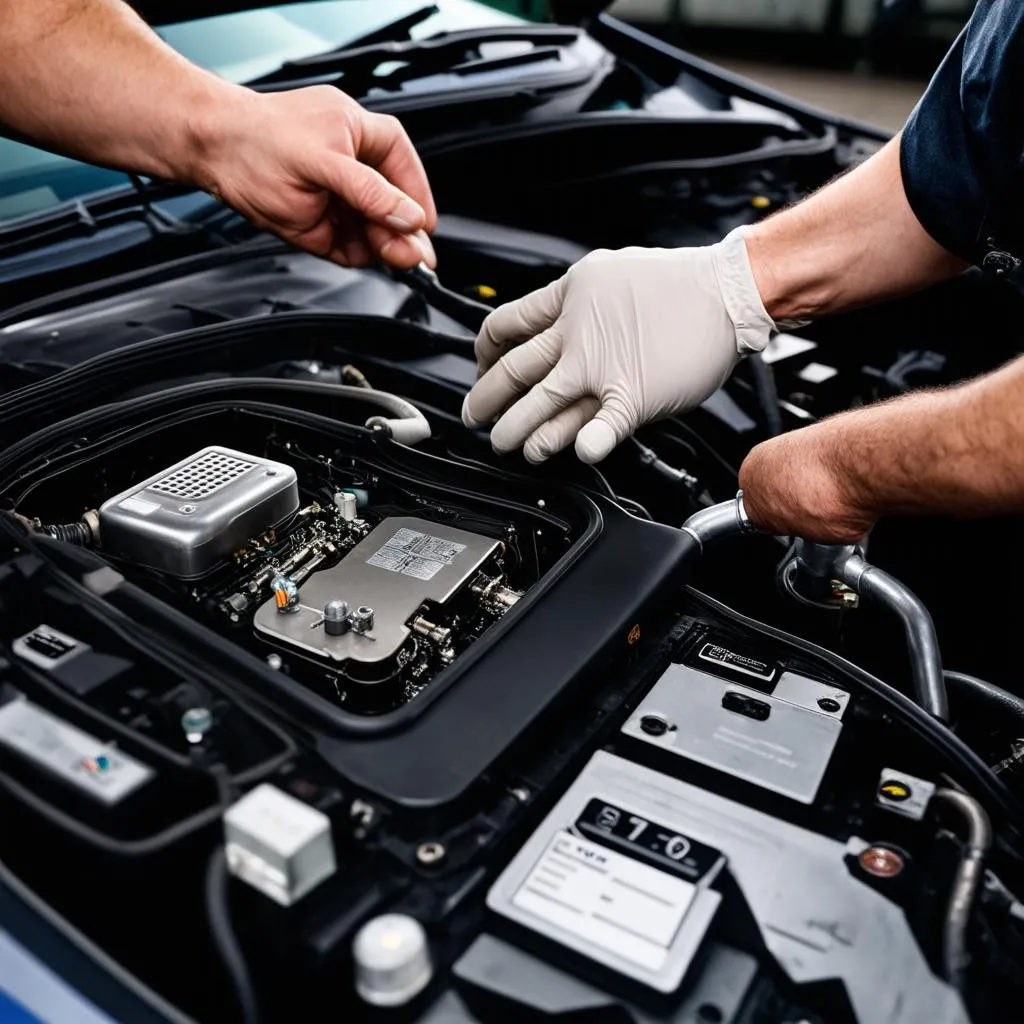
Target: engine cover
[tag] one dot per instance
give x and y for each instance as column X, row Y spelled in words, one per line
column 187, row 518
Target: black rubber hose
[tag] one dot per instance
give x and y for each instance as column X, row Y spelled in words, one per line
column 78, row 533
column 963, row 685
column 224, row 938
column 767, row 394
column 966, row 883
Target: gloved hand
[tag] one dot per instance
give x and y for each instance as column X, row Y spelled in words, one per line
column 625, row 337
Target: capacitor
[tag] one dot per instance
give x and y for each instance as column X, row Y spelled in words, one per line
column 347, row 505
column 392, row 960
column 286, row 593
column 336, row 618
column 362, row 619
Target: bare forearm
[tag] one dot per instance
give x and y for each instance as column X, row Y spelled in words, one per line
column 956, row 451
column 89, row 78
column 854, row 242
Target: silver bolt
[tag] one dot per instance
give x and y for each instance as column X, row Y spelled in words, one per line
column 186, row 510
column 274, row 661
column 521, row 794
column 541, row 503
column 430, row 853
column 196, row 723
column 336, row 618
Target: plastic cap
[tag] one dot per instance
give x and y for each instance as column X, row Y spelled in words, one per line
column 392, row 960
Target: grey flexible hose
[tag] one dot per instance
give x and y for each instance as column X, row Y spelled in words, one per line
column 966, row 883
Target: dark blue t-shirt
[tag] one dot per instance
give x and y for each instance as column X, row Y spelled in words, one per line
column 962, row 151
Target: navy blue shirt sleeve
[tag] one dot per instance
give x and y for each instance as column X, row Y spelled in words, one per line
column 961, row 149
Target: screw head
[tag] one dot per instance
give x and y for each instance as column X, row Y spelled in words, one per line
column 430, row 853
column 187, row 510
column 829, row 704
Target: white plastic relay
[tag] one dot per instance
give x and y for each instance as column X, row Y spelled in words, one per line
column 278, row 844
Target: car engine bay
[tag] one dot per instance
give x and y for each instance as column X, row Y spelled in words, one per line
column 313, row 707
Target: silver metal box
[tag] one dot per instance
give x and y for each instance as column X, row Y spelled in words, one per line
column 184, row 520
column 690, row 713
column 400, row 564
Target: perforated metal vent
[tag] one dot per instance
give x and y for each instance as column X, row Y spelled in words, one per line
column 203, row 477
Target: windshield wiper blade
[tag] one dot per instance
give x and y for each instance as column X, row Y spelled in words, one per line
column 422, row 56
column 394, row 31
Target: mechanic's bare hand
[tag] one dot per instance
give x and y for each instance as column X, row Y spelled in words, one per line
column 317, row 169
column 795, row 486
column 624, row 338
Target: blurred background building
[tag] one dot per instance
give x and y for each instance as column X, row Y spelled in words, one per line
column 866, row 59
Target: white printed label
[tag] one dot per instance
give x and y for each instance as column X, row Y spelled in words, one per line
column 416, row 554
column 138, row 505
column 611, row 900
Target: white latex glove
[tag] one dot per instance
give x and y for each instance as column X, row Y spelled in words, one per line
column 625, row 337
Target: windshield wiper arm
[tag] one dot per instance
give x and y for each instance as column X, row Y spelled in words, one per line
column 423, row 57
column 88, row 215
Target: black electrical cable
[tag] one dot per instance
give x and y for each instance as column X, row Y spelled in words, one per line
column 224, row 938
column 118, row 847
column 993, row 793
column 699, row 443
column 963, row 684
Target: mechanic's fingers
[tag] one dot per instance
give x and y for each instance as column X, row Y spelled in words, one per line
column 540, row 404
column 516, row 321
column 513, row 374
column 372, row 195
column 611, row 425
column 560, row 430
column 402, row 251
column 384, row 144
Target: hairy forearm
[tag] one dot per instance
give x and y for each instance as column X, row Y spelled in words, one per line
column 90, row 79
column 955, row 451
column 854, row 242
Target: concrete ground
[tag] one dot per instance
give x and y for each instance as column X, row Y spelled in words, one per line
column 880, row 101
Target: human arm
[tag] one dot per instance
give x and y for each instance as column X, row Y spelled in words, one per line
column 955, row 451
column 90, row 79
column 635, row 335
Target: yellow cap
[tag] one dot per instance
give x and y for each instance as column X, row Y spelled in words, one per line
column 760, row 202
column 485, row 291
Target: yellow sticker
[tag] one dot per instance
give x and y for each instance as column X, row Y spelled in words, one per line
column 895, row 790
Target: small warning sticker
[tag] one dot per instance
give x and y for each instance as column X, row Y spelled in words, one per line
column 416, row 554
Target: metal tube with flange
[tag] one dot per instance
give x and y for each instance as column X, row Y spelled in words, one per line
column 726, row 519
column 875, row 584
